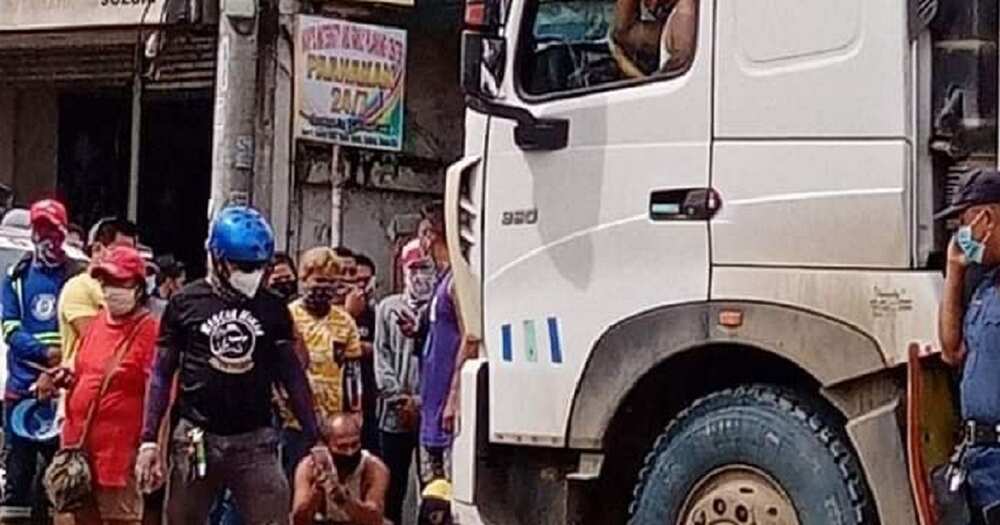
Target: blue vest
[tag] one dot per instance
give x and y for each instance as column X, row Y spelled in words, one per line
column 30, row 294
column 980, row 389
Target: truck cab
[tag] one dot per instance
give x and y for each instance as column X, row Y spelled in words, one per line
column 695, row 239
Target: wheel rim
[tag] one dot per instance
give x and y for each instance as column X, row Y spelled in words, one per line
column 738, row 495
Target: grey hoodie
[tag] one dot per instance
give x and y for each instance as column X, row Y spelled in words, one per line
column 397, row 365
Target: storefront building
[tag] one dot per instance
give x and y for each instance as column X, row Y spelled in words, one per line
column 85, row 115
column 377, row 116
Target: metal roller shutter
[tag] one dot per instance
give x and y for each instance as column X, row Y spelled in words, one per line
column 187, row 62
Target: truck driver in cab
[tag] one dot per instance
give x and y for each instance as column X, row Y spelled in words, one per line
column 654, row 37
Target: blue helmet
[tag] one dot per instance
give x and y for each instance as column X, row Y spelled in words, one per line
column 34, row 420
column 241, row 234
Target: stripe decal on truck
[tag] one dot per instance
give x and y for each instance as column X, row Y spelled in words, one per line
column 531, row 343
column 554, row 344
column 506, row 345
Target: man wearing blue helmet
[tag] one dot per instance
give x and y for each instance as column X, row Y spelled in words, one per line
column 229, row 341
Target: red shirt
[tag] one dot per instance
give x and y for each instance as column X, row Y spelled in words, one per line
column 114, row 433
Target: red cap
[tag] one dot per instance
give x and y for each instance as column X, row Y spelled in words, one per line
column 122, row 263
column 411, row 253
column 49, row 210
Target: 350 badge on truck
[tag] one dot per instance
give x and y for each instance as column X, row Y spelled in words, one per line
column 125, row 3
column 519, row 217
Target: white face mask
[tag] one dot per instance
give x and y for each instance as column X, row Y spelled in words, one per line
column 246, row 283
column 120, row 301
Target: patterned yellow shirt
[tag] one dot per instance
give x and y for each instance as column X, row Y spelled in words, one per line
column 321, row 337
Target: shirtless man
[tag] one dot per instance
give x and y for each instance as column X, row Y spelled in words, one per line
column 652, row 37
column 351, row 490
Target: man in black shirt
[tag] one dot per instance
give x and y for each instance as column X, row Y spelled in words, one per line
column 230, row 342
column 365, row 288
column 283, row 279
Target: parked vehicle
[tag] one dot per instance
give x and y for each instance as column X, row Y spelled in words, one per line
column 696, row 280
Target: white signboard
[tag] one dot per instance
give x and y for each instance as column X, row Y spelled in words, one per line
column 23, row 15
column 349, row 83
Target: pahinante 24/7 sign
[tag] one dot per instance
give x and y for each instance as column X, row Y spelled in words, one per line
column 349, row 83
column 21, row 15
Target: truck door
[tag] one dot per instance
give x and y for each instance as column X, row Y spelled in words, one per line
column 584, row 232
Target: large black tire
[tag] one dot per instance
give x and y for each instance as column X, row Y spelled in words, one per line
column 771, row 436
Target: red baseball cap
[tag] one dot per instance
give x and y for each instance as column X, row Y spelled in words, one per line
column 49, row 210
column 411, row 253
column 122, row 263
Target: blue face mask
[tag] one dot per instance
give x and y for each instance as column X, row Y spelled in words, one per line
column 972, row 248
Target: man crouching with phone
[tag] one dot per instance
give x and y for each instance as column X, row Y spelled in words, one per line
column 350, row 489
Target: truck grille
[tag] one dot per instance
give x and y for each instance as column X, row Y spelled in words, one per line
column 468, row 216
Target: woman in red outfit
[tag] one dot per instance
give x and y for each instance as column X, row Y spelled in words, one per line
column 123, row 325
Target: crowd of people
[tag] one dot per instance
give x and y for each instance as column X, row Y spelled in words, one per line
column 264, row 393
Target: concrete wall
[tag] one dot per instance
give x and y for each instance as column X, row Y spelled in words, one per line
column 367, row 218
column 29, row 145
column 378, row 186
column 310, row 218
column 36, row 143
column 8, row 101
column 434, row 101
column 364, row 215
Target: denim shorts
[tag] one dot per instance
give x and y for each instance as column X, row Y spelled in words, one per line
column 982, row 465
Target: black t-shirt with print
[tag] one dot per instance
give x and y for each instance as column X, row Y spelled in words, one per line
column 229, row 356
column 366, row 325
column 369, row 388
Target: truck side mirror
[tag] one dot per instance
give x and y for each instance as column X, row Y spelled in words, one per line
column 484, row 58
column 483, row 61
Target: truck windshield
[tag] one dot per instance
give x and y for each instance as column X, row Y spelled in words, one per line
column 580, row 44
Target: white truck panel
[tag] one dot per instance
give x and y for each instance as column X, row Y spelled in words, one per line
column 576, row 283
column 812, row 68
column 552, row 288
column 821, row 203
column 896, row 308
column 463, row 472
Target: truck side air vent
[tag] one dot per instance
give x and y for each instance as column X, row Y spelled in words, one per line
column 921, row 13
column 965, row 78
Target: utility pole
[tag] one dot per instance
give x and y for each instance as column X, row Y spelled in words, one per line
column 235, row 104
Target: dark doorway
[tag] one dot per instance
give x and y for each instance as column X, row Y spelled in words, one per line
column 175, row 173
column 94, row 133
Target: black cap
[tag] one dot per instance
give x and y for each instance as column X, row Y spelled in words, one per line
column 981, row 186
column 169, row 266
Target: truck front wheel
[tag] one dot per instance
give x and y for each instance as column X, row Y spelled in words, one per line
column 752, row 455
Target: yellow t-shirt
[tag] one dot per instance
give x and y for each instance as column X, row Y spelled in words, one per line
column 81, row 296
column 320, row 337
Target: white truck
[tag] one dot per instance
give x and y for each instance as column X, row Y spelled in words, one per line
column 695, row 246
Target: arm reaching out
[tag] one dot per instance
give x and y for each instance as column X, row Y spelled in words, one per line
column 952, row 310
column 158, row 391
column 630, row 32
column 368, row 508
column 306, row 499
column 300, row 398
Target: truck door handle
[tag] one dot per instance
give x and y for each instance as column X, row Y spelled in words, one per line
column 690, row 204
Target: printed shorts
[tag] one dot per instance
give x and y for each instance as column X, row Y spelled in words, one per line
column 435, row 463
